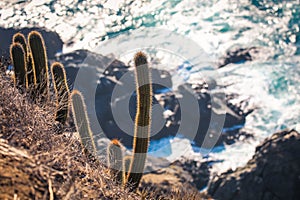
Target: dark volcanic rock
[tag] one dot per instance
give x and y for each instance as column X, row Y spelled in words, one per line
column 240, row 55
column 52, row 40
column 272, row 173
column 199, row 171
column 169, row 112
column 183, row 173
column 212, row 114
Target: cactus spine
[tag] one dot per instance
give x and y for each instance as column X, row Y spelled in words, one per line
column 39, row 62
column 115, row 159
column 19, row 61
column 61, row 91
column 142, row 120
column 82, row 122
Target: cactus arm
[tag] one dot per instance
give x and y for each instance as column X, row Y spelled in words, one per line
column 142, row 120
column 82, row 122
column 61, row 91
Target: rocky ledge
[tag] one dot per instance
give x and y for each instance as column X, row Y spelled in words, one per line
column 272, row 173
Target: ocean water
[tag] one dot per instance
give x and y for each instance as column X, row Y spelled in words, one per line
column 271, row 82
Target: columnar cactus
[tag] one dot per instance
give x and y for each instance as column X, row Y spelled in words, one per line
column 39, row 62
column 115, row 159
column 142, row 120
column 17, row 55
column 61, row 91
column 82, row 122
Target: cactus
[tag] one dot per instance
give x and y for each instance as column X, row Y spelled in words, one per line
column 39, row 62
column 142, row 120
column 82, row 122
column 19, row 61
column 115, row 159
column 61, row 91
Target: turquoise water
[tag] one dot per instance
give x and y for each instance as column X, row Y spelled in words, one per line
column 271, row 81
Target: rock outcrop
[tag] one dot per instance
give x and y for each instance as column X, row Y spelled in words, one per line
column 272, row 173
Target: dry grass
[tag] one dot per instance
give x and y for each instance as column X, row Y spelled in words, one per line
column 44, row 157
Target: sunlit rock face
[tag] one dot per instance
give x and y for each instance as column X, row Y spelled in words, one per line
column 272, row 173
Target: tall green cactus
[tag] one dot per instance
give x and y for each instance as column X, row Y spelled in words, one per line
column 17, row 55
column 61, row 91
column 142, row 120
column 39, row 62
column 115, row 159
column 82, row 122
